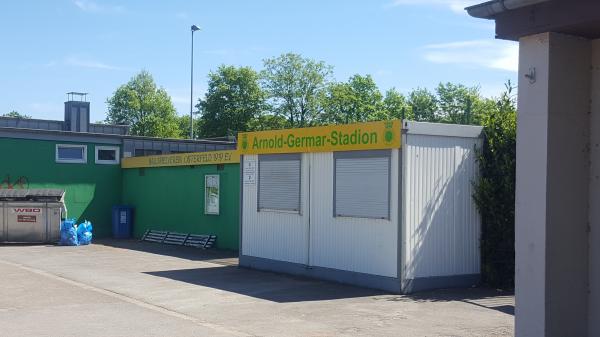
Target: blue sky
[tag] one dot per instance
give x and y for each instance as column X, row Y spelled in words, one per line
column 52, row 47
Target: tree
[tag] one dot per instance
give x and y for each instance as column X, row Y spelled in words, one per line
column 395, row 105
column 267, row 122
column 358, row 100
column 145, row 107
column 495, row 191
column 456, row 102
column 234, row 98
column 183, row 122
column 423, row 104
column 294, row 85
column 15, row 114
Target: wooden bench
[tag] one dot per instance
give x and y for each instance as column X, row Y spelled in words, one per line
column 180, row 239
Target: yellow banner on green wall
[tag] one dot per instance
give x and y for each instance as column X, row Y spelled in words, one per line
column 183, row 159
column 348, row 137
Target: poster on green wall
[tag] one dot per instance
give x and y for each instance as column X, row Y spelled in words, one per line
column 211, row 194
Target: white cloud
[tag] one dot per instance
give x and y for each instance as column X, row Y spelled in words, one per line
column 455, row 5
column 86, row 6
column 76, row 61
column 93, row 7
column 494, row 54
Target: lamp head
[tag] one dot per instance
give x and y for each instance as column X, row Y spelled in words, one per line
column 195, row 28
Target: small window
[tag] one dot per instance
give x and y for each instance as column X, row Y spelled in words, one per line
column 67, row 153
column 279, row 182
column 107, row 155
column 362, row 184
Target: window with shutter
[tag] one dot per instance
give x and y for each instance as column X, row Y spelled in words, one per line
column 279, row 182
column 362, row 184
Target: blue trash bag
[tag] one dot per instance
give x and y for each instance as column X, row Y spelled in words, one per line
column 84, row 233
column 68, row 233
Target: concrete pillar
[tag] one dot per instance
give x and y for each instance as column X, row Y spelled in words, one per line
column 594, row 213
column 552, row 186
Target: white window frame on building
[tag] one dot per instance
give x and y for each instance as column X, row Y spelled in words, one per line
column 273, row 195
column 108, row 148
column 83, row 160
column 361, row 184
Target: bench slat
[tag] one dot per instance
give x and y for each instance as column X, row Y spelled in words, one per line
column 181, row 239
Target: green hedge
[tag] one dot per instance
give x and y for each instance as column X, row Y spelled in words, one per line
column 495, row 192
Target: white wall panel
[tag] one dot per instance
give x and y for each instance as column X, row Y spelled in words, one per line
column 442, row 226
column 276, row 235
column 353, row 244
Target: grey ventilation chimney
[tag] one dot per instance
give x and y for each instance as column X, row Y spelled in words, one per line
column 77, row 112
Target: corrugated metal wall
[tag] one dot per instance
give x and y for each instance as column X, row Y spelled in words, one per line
column 442, row 226
column 347, row 243
column 440, row 223
column 276, row 235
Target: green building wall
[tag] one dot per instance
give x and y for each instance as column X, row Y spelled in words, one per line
column 91, row 189
column 172, row 199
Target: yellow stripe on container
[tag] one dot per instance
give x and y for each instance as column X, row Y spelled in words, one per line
column 349, row 137
column 183, row 159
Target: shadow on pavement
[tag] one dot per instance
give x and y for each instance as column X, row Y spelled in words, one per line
column 493, row 299
column 265, row 285
column 283, row 288
column 223, row 257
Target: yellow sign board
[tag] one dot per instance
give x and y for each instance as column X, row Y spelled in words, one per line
column 348, row 137
column 183, row 159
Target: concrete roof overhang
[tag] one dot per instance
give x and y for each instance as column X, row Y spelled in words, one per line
column 518, row 18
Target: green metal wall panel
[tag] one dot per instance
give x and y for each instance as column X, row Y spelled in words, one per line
column 91, row 189
column 172, row 199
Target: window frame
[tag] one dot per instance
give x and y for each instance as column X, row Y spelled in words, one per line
column 280, row 157
column 59, row 160
column 357, row 155
column 108, row 162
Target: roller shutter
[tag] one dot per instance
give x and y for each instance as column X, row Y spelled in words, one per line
column 362, row 184
column 279, row 182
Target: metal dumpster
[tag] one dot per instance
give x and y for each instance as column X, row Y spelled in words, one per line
column 31, row 216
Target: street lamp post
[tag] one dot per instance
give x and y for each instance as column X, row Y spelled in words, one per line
column 193, row 28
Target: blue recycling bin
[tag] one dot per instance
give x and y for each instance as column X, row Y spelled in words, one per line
column 122, row 221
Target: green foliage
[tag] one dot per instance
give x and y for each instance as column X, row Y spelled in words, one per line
column 395, row 106
column 423, row 104
column 358, row 100
column 455, row 103
column 145, row 107
column 183, row 122
column 268, row 122
column 233, row 100
column 15, row 114
column 495, row 192
column 291, row 91
column 295, row 85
